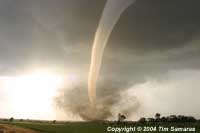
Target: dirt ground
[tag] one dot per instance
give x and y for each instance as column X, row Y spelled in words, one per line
column 13, row 129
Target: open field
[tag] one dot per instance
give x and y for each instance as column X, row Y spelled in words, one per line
column 101, row 127
column 7, row 128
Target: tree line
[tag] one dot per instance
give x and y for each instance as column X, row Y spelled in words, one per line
column 171, row 118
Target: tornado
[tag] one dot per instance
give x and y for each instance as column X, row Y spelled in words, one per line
column 111, row 14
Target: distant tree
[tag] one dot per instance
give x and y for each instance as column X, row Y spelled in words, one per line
column 21, row 120
column 157, row 116
column 5, row 119
column 11, row 119
column 173, row 118
column 121, row 117
column 163, row 119
column 54, row 121
column 181, row 118
column 150, row 119
column 191, row 119
column 142, row 120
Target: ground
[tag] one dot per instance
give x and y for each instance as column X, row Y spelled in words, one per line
column 6, row 128
column 87, row 127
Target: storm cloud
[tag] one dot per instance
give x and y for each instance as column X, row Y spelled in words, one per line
column 152, row 40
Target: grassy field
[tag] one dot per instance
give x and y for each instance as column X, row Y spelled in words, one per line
column 100, row 127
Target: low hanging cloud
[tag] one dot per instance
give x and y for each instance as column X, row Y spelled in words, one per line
column 176, row 94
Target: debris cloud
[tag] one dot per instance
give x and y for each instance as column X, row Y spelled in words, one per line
column 113, row 99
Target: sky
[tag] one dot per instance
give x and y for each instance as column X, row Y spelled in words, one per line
column 152, row 56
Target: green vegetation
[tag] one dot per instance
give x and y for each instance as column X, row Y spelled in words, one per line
column 11, row 119
column 97, row 127
column 164, row 124
column 68, row 127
